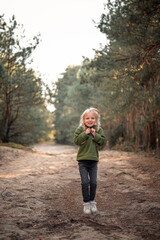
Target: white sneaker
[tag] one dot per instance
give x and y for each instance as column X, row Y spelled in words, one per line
column 86, row 208
column 93, row 206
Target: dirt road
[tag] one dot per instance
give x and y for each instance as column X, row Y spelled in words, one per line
column 40, row 196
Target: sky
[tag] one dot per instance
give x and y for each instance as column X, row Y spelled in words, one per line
column 67, row 31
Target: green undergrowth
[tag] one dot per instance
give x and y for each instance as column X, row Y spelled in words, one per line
column 15, row 145
column 125, row 147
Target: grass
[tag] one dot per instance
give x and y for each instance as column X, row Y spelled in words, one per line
column 123, row 173
column 15, row 145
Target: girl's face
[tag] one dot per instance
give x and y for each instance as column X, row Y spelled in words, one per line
column 90, row 119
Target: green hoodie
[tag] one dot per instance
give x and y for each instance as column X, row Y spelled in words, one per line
column 89, row 144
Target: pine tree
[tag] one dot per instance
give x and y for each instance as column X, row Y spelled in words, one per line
column 21, row 91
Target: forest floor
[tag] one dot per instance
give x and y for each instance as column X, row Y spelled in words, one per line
column 40, row 196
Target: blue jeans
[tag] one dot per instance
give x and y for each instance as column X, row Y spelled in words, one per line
column 88, row 173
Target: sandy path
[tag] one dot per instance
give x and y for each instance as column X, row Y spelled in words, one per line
column 41, row 197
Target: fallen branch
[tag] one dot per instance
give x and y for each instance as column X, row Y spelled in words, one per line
column 2, row 193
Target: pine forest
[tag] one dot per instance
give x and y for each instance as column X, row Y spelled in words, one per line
column 122, row 81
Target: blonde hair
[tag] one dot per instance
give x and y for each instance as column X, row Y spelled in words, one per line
column 88, row 110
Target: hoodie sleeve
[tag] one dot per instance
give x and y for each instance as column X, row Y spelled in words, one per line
column 100, row 138
column 80, row 136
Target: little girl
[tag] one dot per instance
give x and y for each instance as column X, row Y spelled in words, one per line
column 89, row 137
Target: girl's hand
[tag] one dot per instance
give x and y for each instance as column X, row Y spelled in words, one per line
column 88, row 130
column 93, row 131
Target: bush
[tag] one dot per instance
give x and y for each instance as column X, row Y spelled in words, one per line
column 116, row 134
column 125, row 147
